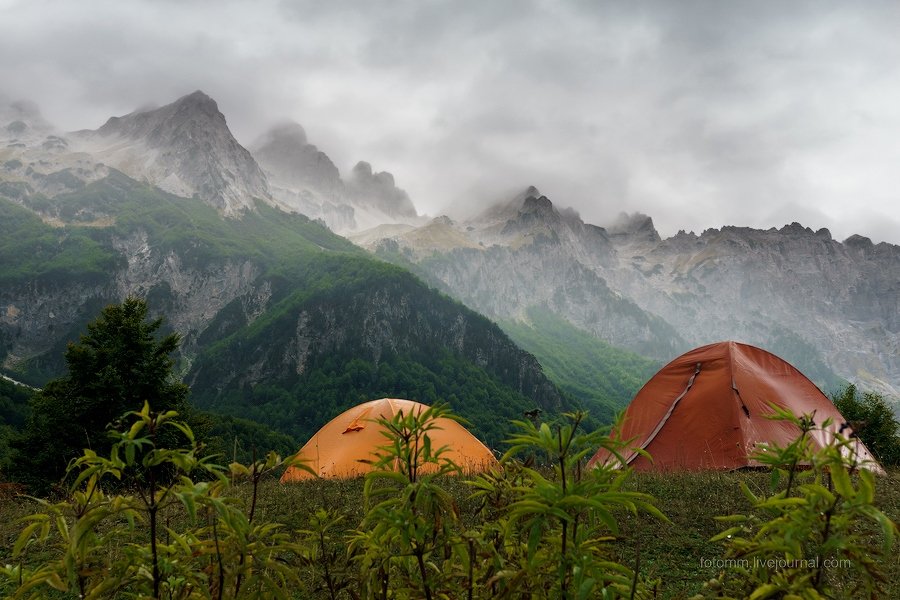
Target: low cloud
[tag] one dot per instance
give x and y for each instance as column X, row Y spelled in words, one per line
column 698, row 113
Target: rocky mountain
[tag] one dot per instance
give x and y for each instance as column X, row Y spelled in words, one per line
column 791, row 289
column 184, row 148
column 304, row 179
column 282, row 320
column 268, row 299
column 187, row 149
column 379, row 191
column 830, row 307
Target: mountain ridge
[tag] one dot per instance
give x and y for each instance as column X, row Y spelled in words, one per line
column 230, row 286
column 837, row 301
column 184, row 148
column 825, row 301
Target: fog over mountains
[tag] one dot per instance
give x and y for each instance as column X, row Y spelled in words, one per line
column 830, row 306
column 818, row 302
column 185, row 148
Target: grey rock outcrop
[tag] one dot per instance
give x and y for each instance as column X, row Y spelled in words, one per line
column 792, row 290
column 290, row 161
column 379, row 191
column 184, row 148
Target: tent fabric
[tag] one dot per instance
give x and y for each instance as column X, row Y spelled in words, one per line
column 346, row 444
column 707, row 410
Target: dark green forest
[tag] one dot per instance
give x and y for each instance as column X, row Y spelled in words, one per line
column 13, row 415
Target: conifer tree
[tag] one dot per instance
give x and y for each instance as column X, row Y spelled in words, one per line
column 121, row 362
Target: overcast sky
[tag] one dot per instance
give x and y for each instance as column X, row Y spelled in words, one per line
column 700, row 114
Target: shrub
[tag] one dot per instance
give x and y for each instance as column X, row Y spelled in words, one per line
column 785, row 546
column 98, row 545
column 873, row 421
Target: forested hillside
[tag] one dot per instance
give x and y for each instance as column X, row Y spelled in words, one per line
column 281, row 320
column 13, row 413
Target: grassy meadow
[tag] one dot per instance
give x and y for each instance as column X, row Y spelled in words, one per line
column 669, row 552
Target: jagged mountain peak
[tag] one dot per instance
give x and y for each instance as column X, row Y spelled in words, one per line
column 305, row 179
column 185, row 148
column 858, row 241
column 501, row 211
column 194, row 111
column 198, row 98
column 378, row 189
column 362, row 169
column 292, row 163
column 634, row 226
column 530, row 191
column 286, row 132
column 540, row 204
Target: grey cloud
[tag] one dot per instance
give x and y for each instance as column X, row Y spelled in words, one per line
column 699, row 113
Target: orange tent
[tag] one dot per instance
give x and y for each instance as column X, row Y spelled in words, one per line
column 341, row 448
column 707, row 410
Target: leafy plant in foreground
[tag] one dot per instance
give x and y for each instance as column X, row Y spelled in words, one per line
column 409, row 526
column 785, row 547
column 557, row 530
column 99, row 545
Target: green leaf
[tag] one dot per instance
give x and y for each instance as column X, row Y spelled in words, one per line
column 748, row 494
column 136, row 428
column 25, row 537
column 534, row 538
column 765, row 591
column 54, row 581
column 585, row 589
column 841, row 481
column 726, row 534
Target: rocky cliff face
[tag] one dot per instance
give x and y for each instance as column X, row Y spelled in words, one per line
column 37, row 319
column 842, row 298
column 292, row 163
column 269, row 305
column 392, row 318
column 794, row 291
column 304, row 179
column 378, row 190
column 184, row 148
column 526, row 253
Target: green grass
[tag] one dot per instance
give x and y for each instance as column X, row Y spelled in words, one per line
column 671, row 552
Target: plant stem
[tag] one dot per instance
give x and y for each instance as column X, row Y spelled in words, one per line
column 794, row 462
column 219, row 560
column 256, row 476
column 825, row 534
column 471, row 568
column 255, row 479
column 152, row 509
column 420, row 559
column 564, row 543
column 328, row 580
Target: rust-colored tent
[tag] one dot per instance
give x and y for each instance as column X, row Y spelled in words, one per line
column 707, row 410
column 341, row 448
